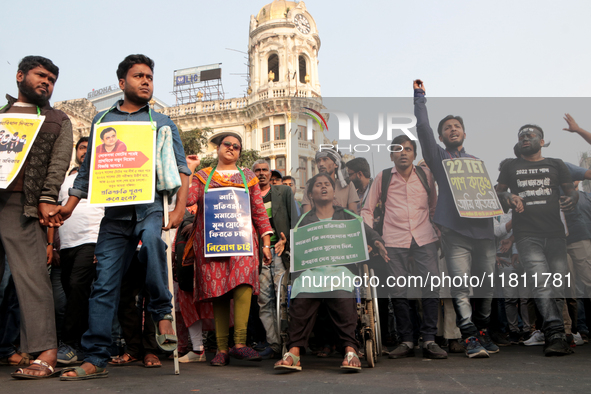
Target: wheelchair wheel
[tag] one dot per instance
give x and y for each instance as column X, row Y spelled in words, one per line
column 370, row 355
column 376, row 311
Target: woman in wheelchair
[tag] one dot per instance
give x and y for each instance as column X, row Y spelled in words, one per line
column 340, row 303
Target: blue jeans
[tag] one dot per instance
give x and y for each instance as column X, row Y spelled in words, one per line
column 542, row 256
column 474, row 257
column 117, row 241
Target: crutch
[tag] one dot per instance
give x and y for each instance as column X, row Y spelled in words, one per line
column 170, row 281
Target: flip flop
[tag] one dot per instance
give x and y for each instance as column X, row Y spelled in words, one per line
column 293, row 367
column 349, row 356
column 81, row 374
column 152, row 358
column 20, row 373
column 121, row 360
column 166, row 342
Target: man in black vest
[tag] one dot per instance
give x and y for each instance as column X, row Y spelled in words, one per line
column 24, row 208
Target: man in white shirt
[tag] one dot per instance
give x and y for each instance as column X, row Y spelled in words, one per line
column 78, row 237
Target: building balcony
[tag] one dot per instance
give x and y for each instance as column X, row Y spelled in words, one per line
column 206, row 107
column 274, row 147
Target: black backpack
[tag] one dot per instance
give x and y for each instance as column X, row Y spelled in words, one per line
column 380, row 210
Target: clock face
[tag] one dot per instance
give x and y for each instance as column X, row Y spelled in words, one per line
column 302, row 23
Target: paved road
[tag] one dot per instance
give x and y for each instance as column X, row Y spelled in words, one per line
column 516, row 369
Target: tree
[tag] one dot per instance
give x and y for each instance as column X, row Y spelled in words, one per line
column 247, row 158
column 194, row 140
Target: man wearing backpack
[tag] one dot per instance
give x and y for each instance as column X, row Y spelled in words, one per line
column 408, row 199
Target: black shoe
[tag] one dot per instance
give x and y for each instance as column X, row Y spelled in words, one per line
column 402, row 351
column 499, row 339
column 557, row 346
column 456, row 347
column 432, row 350
column 515, row 338
column 441, row 341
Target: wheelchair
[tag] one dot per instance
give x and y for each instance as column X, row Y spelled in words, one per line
column 368, row 321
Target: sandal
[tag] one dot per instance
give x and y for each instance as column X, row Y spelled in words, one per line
column 125, row 359
column 82, row 375
column 24, row 361
column 294, row 360
column 152, row 358
column 324, row 353
column 166, row 342
column 37, row 365
column 350, row 356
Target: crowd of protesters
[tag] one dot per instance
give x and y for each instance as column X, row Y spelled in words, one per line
column 112, row 305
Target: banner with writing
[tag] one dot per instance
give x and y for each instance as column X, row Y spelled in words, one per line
column 17, row 134
column 331, row 242
column 471, row 187
column 228, row 224
column 123, row 170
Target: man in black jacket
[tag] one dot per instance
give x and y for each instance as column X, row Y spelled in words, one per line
column 280, row 206
column 24, row 208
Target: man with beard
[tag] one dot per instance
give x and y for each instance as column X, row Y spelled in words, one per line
column 360, row 175
column 124, row 226
column 24, row 207
column 329, row 161
column 538, row 229
column 468, row 244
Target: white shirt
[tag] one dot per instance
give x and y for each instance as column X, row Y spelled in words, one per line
column 83, row 226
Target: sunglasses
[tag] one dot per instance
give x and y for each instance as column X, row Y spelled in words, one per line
column 229, row 144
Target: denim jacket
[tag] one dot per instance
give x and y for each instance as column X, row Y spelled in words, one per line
column 140, row 211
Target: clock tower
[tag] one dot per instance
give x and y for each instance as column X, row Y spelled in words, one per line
column 283, row 49
column 283, row 80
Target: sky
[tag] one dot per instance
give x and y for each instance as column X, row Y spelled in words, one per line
column 368, row 49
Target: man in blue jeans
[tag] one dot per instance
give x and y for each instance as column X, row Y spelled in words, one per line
column 538, row 229
column 124, row 226
column 468, row 244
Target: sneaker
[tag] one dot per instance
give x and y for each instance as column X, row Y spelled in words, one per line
column 193, row 357
column 536, row 339
column 474, row 349
column 456, row 347
column 402, row 351
column 66, row 354
column 499, row 339
column 557, row 346
column 245, row 353
column 487, row 342
column 269, row 353
column 585, row 337
column 578, row 339
column 433, row 351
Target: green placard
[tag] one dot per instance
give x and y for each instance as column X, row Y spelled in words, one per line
column 325, row 243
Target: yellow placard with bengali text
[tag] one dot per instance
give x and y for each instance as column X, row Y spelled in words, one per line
column 123, row 170
column 17, row 134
